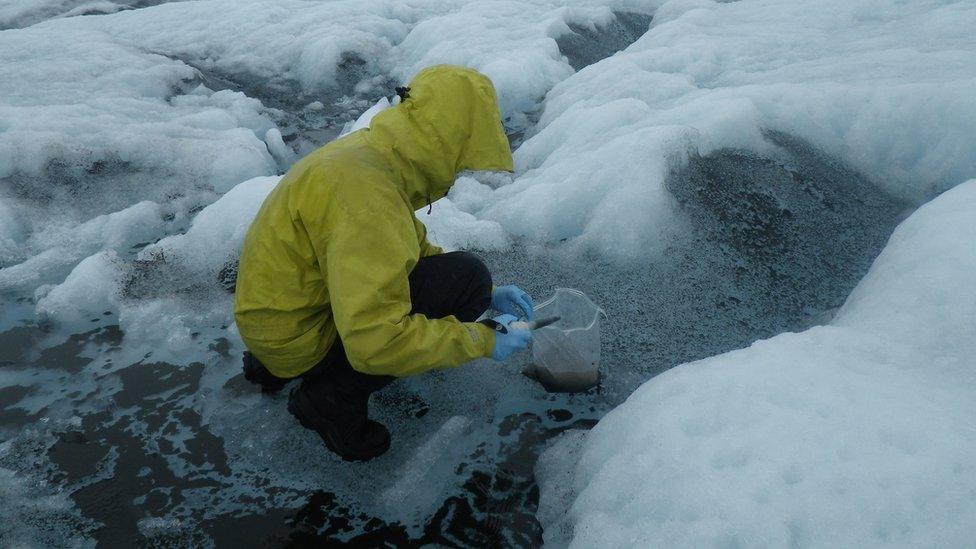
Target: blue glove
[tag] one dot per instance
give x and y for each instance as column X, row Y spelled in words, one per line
column 507, row 340
column 511, row 300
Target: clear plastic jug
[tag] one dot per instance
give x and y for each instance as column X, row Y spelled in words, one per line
column 566, row 355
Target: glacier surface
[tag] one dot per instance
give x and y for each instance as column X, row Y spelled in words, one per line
column 728, row 176
column 855, row 433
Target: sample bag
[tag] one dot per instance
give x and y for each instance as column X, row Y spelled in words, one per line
column 566, row 355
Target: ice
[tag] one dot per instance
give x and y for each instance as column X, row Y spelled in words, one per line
column 454, row 229
column 11, row 234
column 917, row 292
column 136, row 292
column 421, row 480
column 33, row 519
column 276, row 146
column 217, row 232
column 851, row 78
column 58, row 246
column 155, row 317
column 89, row 290
column 286, row 38
column 672, row 181
column 453, row 224
column 77, row 104
column 150, row 105
column 523, row 60
column 607, row 196
column 310, row 42
column 17, row 13
column 856, row 433
column 470, row 194
column 118, row 110
column 169, row 533
column 522, row 63
column 34, row 512
column 367, row 116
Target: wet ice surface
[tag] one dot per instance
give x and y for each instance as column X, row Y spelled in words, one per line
column 199, row 449
column 123, row 443
column 157, row 439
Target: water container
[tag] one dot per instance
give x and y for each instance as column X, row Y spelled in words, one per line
column 566, row 355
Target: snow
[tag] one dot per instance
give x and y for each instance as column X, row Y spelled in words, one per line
column 129, row 109
column 917, row 292
column 607, row 196
column 192, row 259
column 593, row 171
column 858, row 433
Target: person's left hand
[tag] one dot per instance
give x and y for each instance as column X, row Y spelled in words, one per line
column 512, row 300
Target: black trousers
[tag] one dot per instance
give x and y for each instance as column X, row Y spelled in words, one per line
column 455, row 283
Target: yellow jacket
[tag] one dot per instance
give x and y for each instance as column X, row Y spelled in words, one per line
column 330, row 250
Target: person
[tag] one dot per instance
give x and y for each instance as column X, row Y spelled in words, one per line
column 337, row 283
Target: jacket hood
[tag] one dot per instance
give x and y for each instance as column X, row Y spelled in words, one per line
column 448, row 123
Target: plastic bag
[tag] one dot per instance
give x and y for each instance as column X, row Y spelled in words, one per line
column 566, row 354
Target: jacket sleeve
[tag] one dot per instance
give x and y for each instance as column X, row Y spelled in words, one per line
column 369, row 257
column 426, row 248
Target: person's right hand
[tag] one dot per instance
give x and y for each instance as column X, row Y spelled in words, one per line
column 507, row 340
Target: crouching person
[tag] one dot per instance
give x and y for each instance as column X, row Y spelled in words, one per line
column 337, row 283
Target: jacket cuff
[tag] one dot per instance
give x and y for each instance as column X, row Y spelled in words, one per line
column 488, row 339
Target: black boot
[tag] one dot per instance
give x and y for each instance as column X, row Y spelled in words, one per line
column 256, row 373
column 336, row 409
